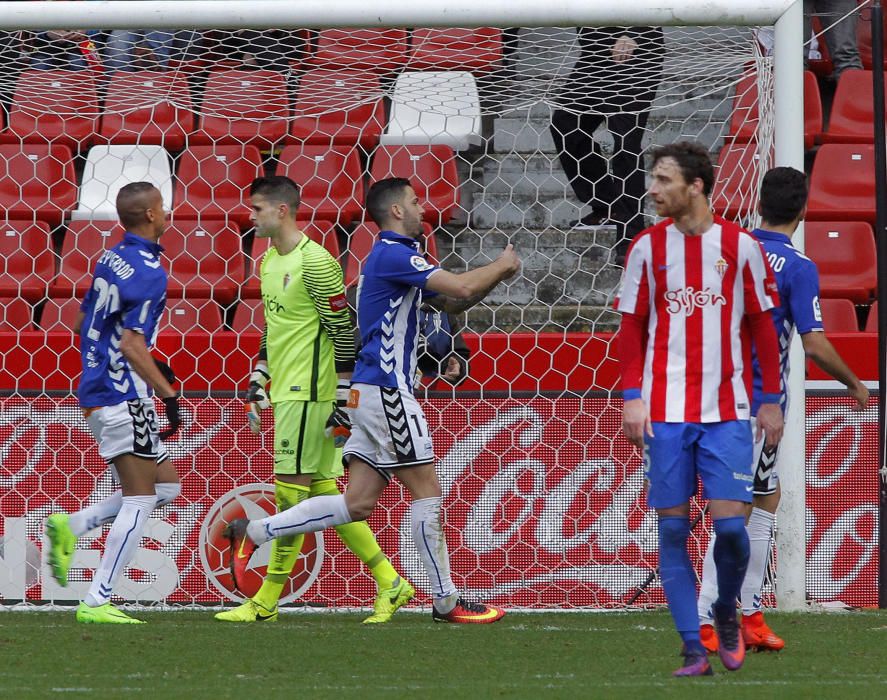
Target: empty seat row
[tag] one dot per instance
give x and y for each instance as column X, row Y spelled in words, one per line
column 842, row 182
column 745, row 115
column 240, row 106
column 205, row 260
column 840, row 316
column 212, row 182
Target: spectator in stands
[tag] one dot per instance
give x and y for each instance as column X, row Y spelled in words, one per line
column 138, row 49
column 64, row 49
column 838, row 18
column 614, row 81
column 269, row 49
column 11, row 47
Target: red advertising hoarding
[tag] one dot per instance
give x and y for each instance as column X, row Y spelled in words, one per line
column 543, row 506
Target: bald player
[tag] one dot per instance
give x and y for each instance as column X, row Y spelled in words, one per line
column 118, row 323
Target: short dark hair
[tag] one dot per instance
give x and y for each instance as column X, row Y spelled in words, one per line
column 132, row 202
column 279, row 189
column 693, row 159
column 382, row 195
column 783, row 195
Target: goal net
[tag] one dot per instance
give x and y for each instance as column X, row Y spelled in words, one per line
column 528, row 135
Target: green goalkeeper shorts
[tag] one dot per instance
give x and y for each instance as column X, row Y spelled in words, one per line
column 300, row 444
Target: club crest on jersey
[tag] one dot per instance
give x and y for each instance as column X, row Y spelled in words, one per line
column 286, row 280
column 688, row 299
column 721, row 267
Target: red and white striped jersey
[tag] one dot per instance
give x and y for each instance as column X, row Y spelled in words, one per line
column 694, row 292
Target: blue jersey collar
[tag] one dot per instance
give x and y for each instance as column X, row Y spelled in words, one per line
column 392, row 236
column 765, row 235
column 136, row 240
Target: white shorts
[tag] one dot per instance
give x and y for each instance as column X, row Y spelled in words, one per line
column 388, row 429
column 764, row 464
column 127, row 428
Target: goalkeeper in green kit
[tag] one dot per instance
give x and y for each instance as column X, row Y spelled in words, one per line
column 307, row 353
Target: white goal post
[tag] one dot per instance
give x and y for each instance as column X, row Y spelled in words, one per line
column 788, row 123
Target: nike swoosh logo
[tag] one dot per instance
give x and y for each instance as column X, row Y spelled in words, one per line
column 262, row 618
column 490, row 614
column 749, row 488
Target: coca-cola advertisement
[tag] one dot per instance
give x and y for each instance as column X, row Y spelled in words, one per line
column 544, row 506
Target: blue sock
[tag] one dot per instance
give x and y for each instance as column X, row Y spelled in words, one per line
column 731, row 560
column 678, row 579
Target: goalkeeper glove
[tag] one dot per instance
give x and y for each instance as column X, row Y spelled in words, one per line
column 338, row 425
column 173, row 417
column 257, row 396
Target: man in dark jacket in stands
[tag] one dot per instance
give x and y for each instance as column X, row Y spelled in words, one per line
column 614, row 80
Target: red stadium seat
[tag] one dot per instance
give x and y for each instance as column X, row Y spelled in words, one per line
column 27, row 263
column 853, row 116
column 15, row 315
column 319, row 231
column 430, row 169
column 205, row 261
column 336, row 107
column 871, row 323
column 735, row 193
column 744, row 118
column 477, row 50
column 361, row 242
column 842, row 184
column 249, row 316
column 379, row 50
column 244, row 106
column 55, row 106
column 213, row 183
column 60, row 315
column 844, row 252
column 330, row 179
column 37, row 181
column 84, row 242
column 148, row 108
column 838, row 316
column 185, row 315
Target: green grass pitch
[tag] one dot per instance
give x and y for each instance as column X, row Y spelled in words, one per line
column 187, row 654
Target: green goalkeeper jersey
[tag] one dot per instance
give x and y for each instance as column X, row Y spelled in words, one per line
column 308, row 330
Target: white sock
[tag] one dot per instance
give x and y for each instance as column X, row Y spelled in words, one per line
column 106, row 510
column 167, row 492
column 432, row 547
column 97, row 514
column 311, row 515
column 120, row 546
column 760, row 534
column 708, row 590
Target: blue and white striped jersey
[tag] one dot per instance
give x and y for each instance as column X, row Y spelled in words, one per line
column 798, row 283
column 389, row 295
column 128, row 291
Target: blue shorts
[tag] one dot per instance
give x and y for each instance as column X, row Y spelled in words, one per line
column 680, row 453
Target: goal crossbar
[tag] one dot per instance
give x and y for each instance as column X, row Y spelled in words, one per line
column 204, row 14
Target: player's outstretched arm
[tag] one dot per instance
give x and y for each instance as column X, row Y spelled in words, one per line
column 819, row 349
column 466, row 289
